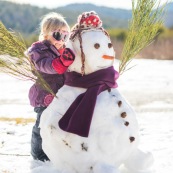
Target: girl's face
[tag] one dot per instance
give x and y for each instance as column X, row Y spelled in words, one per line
column 58, row 37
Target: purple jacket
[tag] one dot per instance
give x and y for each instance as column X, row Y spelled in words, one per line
column 42, row 54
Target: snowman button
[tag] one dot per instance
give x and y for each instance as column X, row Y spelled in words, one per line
column 119, row 103
column 132, row 139
column 126, row 123
column 123, row 115
column 109, row 90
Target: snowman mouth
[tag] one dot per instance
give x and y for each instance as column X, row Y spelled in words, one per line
column 108, row 57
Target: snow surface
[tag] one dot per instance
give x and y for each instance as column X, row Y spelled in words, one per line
column 149, row 89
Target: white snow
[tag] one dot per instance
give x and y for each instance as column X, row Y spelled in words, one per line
column 149, row 89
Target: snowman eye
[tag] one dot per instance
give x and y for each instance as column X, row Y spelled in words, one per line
column 96, row 45
column 110, row 45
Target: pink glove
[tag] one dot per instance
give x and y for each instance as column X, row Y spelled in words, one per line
column 67, row 57
column 61, row 64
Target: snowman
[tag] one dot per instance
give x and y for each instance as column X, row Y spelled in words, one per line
column 90, row 127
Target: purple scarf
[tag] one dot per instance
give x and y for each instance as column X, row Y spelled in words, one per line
column 78, row 117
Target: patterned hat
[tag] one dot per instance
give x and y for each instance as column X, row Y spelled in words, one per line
column 87, row 21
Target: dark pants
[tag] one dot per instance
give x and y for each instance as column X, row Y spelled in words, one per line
column 36, row 140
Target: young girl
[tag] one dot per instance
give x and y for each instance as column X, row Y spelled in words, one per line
column 51, row 60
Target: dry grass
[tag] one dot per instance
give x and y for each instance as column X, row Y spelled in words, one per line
column 4, row 171
column 118, row 47
column 159, row 49
column 22, row 121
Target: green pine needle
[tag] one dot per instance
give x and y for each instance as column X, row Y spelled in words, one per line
column 13, row 60
column 147, row 18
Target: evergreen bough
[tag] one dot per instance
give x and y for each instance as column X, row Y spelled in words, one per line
column 13, row 60
column 147, row 19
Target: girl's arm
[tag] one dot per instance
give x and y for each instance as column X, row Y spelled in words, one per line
column 46, row 64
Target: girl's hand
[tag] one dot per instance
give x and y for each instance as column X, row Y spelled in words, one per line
column 67, row 57
column 61, row 64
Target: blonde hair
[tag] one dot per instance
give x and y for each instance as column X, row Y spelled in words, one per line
column 51, row 22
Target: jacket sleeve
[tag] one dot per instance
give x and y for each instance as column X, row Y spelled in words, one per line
column 42, row 61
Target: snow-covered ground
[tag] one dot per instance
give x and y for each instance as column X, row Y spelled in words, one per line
column 149, row 89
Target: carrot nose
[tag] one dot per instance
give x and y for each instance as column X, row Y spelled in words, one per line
column 108, row 57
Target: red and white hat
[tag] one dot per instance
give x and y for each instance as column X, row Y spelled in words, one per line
column 87, row 21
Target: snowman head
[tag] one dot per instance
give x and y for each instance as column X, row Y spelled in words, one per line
column 91, row 45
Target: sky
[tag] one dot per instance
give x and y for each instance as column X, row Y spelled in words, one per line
column 125, row 4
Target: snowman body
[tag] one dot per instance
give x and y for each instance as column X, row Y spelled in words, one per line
column 113, row 136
